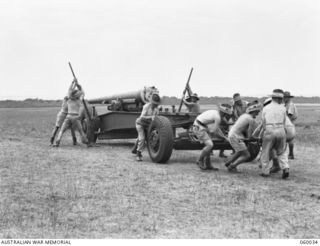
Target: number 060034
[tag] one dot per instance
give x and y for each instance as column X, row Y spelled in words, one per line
column 311, row 241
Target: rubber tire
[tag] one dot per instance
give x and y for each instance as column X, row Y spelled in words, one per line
column 94, row 125
column 254, row 150
column 166, row 139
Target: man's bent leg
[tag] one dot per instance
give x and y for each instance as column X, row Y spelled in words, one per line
column 73, row 134
column 206, row 151
column 244, row 155
column 232, row 158
column 282, row 157
column 275, row 163
column 66, row 124
column 77, row 125
column 53, row 135
column 291, row 146
column 141, row 141
column 267, row 143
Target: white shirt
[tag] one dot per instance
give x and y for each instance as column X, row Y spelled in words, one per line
column 210, row 118
column 64, row 107
column 292, row 109
column 274, row 113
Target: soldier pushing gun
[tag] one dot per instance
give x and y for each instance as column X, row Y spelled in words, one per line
column 149, row 111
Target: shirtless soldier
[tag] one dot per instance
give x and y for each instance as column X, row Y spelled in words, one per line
column 243, row 128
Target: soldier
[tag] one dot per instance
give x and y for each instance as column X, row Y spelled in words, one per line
column 224, row 126
column 72, row 119
column 192, row 104
column 206, row 123
column 86, row 114
column 60, row 118
column 292, row 113
column 274, row 136
column 243, row 127
column 239, row 106
column 149, row 111
column 290, row 135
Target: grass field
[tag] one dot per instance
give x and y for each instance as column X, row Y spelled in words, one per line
column 101, row 192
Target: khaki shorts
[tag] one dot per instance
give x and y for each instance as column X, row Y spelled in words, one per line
column 237, row 143
column 60, row 118
column 201, row 134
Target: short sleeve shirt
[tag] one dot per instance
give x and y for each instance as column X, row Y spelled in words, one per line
column 64, row 107
column 210, row 118
column 292, row 109
column 274, row 113
column 74, row 106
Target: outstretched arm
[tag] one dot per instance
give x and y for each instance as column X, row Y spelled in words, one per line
column 187, row 103
column 221, row 134
column 71, row 88
column 258, row 131
column 250, row 129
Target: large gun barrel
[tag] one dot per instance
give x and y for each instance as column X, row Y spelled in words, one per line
column 140, row 96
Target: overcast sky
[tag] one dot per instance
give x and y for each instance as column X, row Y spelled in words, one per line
column 244, row 46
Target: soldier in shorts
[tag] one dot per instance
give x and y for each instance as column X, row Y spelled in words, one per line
column 149, row 111
column 72, row 118
column 59, row 121
column 292, row 113
column 239, row 107
column 205, row 124
column 243, row 128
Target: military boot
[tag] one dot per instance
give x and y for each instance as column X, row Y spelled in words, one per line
column 74, row 141
column 222, row 155
column 208, row 164
column 56, row 144
column 291, row 155
column 201, row 164
column 275, row 167
column 285, row 173
column 134, row 149
column 139, row 156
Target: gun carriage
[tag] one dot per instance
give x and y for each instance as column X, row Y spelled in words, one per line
column 169, row 130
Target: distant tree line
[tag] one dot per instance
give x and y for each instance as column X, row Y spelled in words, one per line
column 29, row 103
column 166, row 100
column 216, row 100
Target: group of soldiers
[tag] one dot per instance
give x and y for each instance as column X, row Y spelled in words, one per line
column 276, row 129
column 234, row 122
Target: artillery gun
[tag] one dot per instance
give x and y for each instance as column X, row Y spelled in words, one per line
column 168, row 131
